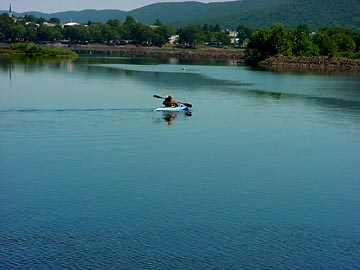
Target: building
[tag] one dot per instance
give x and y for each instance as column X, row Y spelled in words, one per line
column 69, row 24
column 173, row 39
column 49, row 24
column 10, row 12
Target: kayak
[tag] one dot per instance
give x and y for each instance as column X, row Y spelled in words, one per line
column 180, row 108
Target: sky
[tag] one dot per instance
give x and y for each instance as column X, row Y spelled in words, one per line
column 51, row 6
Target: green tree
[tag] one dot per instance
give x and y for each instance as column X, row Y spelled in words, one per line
column 326, row 46
column 344, row 42
column 268, row 42
column 217, row 28
column 77, row 33
column 109, row 34
column 6, row 27
column 158, row 23
column 302, row 43
column 103, row 33
column 280, row 41
column 244, row 33
column 222, row 38
column 143, row 34
column 259, row 45
column 30, row 32
column 18, row 32
column 129, row 28
column 55, row 21
column 116, row 26
column 191, row 35
column 40, row 20
column 162, row 34
column 30, row 18
column 303, row 28
column 46, row 33
column 114, row 23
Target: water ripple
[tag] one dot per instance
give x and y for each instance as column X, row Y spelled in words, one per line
column 189, row 247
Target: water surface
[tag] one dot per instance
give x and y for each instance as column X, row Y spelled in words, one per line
column 263, row 175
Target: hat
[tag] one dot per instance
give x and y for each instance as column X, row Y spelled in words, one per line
column 170, row 96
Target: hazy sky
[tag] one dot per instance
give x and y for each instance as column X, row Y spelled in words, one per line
column 49, row 6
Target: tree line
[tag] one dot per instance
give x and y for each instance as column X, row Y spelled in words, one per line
column 278, row 40
column 259, row 43
column 32, row 29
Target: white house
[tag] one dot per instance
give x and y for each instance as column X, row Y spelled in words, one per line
column 173, row 39
column 49, row 24
column 69, row 24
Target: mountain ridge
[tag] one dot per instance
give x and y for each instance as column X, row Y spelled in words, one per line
column 258, row 13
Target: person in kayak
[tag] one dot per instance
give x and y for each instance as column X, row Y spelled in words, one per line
column 170, row 101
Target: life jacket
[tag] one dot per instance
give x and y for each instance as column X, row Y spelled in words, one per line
column 168, row 102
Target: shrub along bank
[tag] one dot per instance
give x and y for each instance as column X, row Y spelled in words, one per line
column 31, row 49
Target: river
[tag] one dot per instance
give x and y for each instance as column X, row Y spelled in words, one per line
column 264, row 174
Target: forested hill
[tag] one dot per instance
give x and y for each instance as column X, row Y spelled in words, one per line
column 258, row 13
column 185, row 12
column 315, row 14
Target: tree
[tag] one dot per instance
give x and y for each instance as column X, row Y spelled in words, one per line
column 18, row 32
column 326, row 46
column 191, row 35
column 103, row 33
column 344, row 42
column 268, row 42
column 244, row 33
column 347, row 40
column 40, row 20
column 158, row 23
column 162, row 34
column 55, row 21
column 303, row 28
column 302, row 44
column 280, row 41
column 116, row 27
column 108, row 34
column 30, row 32
column 259, row 44
column 143, row 34
column 129, row 28
column 115, row 23
column 46, row 33
column 77, row 33
column 6, row 27
column 30, row 18
column 222, row 38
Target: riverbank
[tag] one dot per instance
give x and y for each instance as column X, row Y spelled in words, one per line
column 279, row 62
column 319, row 63
column 316, row 63
column 200, row 53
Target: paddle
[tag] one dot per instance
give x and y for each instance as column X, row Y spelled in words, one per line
column 186, row 104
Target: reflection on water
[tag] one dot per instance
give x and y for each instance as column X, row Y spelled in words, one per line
column 170, row 117
column 33, row 63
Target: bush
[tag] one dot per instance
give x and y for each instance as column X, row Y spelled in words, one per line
column 31, row 49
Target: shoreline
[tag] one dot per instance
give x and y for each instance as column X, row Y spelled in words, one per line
column 200, row 53
column 277, row 63
column 311, row 63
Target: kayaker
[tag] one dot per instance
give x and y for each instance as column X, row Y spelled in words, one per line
column 170, row 101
